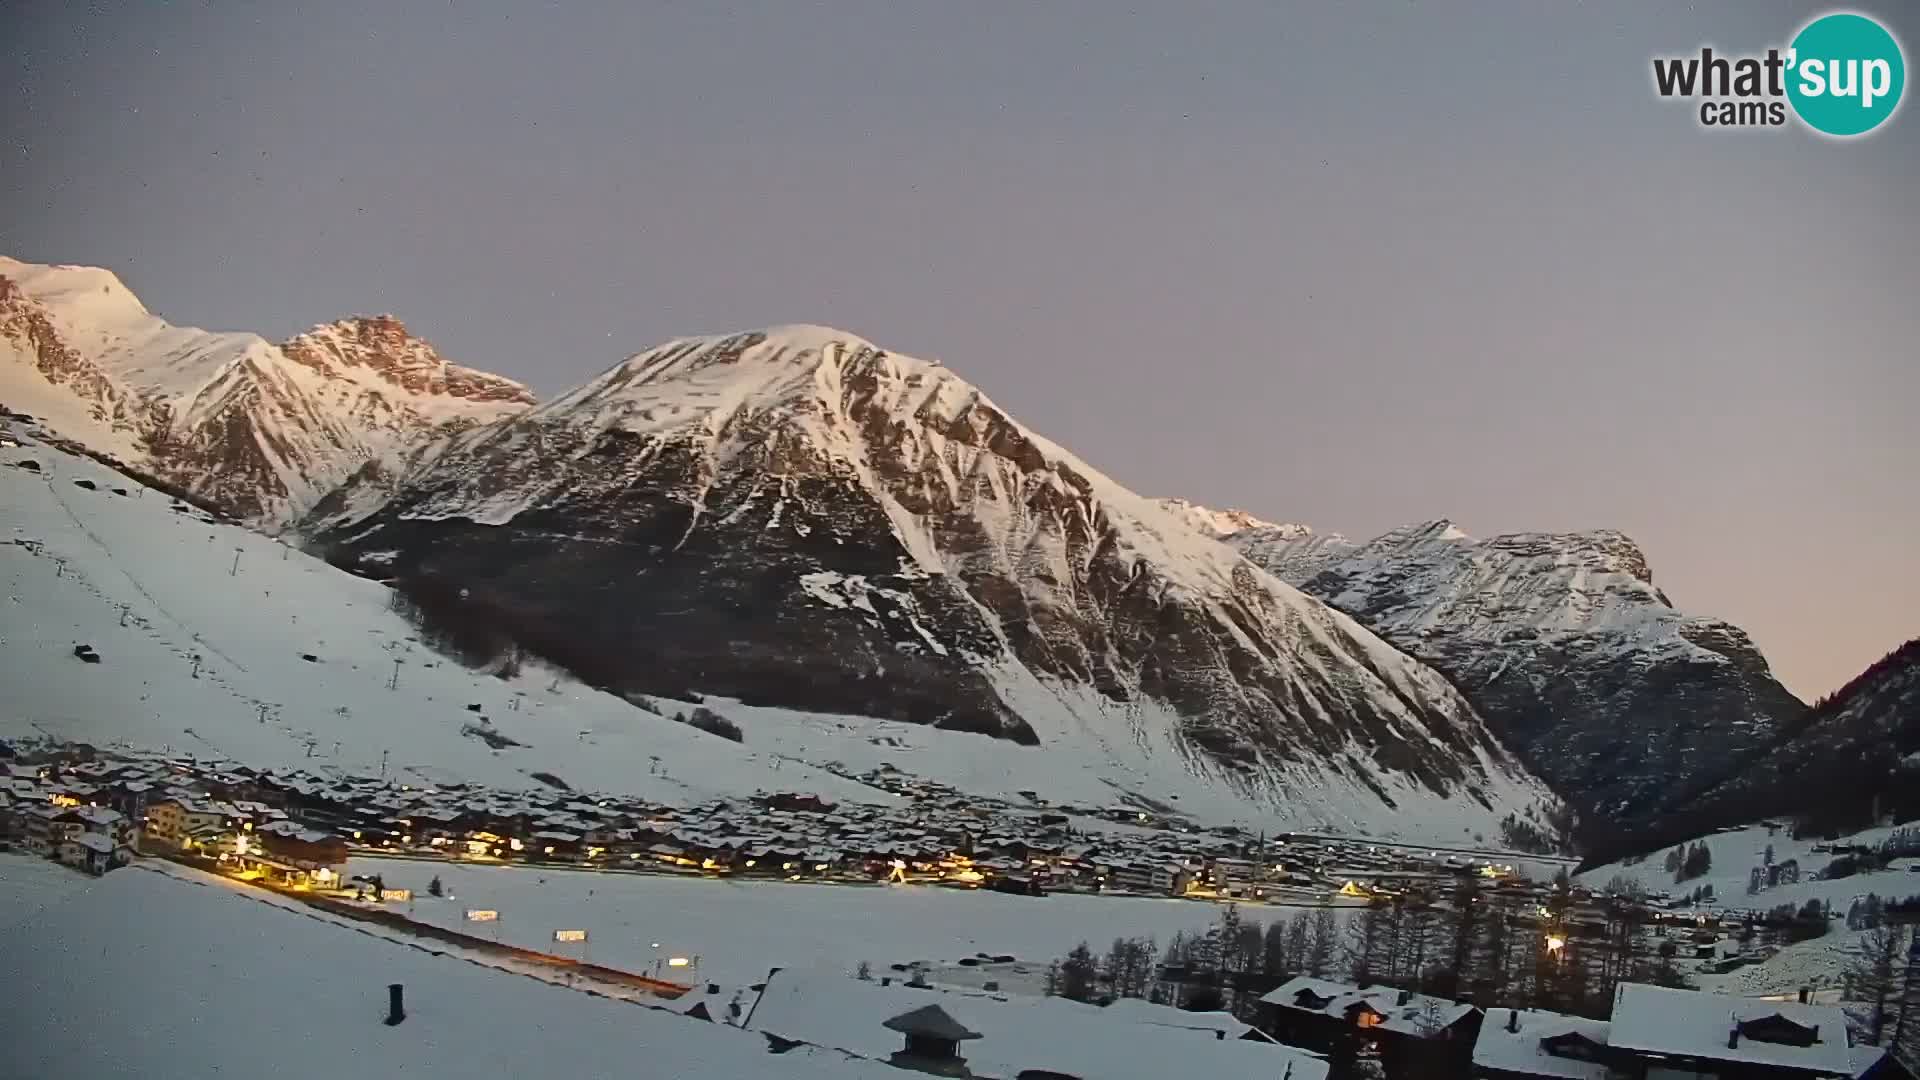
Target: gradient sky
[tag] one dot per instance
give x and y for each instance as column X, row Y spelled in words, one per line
column 1351, row 265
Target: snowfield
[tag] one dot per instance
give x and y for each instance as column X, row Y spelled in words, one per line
column 740, row 929
column 146, row 974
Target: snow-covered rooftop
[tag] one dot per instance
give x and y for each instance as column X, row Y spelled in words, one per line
column 1688, row 1023
column 1526, row 1050
column 1401, row 1010
column 832, row 1010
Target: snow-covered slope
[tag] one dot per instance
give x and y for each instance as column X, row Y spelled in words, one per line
column 1563, row 643
column 796, row 517
column 261, row 430
column 189, row 976
column 151, row 583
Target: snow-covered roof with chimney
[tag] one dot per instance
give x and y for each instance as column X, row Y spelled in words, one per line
column 1402, row 1011
column 830, row 1009
column 1689, row 1023
column 1524, row 1040
column 99, row 816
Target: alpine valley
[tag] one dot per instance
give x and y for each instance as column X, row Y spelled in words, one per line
column 854, row 549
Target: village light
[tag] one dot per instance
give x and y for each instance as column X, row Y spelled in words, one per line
column 1555, row 943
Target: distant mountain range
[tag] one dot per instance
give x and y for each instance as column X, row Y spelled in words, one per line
column 798, row 517
column 1561, row 640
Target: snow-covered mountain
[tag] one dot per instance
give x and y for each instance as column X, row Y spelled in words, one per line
column 218, row 641
column 1850, row 759
column 261, row 430
column 797, row 517
column 1564, row 644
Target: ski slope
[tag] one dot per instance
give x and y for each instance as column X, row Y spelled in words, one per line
column 151, row 585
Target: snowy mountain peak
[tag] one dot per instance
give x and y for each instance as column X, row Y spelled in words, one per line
column 383, row 348
column 796, row 516
column 262, row 431
column 1563, row 642
column 1228, row 522
column 92, row 291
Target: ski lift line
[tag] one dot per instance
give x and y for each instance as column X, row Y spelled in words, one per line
column 131, row 580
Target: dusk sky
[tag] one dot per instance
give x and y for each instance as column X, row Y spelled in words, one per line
column 1349, row 265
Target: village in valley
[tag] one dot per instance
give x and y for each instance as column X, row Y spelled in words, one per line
column 1322, row 956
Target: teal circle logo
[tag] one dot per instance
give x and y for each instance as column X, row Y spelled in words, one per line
column 1845, row 74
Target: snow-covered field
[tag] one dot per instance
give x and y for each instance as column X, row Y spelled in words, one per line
column 740, row 929
column 149, row 974
column 29, row 883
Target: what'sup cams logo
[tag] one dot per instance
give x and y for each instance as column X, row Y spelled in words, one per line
column 1842, row 75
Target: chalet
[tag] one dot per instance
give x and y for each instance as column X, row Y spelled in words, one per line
column 111, row 824
column 1408, row 1029
column 1161, row 878
column 173, row 819
column 554, row 844
column 307, row 849
column 1658, row 1032
column 44, row 828
column 1519, row 1044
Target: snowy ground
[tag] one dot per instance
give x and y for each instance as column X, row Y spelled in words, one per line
column 151, row 586
column 1819, row 963
column 29, row 883
column 251, row 621
column 1736, row 853
column 740, row 929
column 192, row 978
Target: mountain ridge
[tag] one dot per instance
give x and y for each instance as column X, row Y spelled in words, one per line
column 262, row 429
column 1563, row 641
column 903, row 531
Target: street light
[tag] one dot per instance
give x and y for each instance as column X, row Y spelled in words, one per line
column 1555, row 943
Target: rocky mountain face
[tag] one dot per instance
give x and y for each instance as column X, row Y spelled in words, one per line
column 798, row 517
column 258, row 429
column 1850, row 759
column 1563, row 642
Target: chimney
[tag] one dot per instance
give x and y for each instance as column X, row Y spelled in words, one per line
column 396, row 1011
column 1806, row 993
column 1513, row 1019
column 1733, row 1037
column 1405, row 997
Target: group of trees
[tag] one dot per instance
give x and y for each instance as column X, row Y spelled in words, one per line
column 1230, row 964
column 1796, row 924
column 1877, row 977
column 1494, row 947
column 1689, row 861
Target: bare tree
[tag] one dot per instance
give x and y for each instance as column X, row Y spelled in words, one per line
column 1876, row 976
